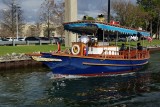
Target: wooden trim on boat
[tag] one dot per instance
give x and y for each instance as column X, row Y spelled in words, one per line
column 98, row 64
column 105, row 54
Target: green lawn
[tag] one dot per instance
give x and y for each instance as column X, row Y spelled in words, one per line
column 46, row 48
column 27, row 49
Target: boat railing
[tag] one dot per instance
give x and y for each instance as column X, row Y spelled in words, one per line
column 132, row 54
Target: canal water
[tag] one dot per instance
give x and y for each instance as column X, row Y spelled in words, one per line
column 33, row 86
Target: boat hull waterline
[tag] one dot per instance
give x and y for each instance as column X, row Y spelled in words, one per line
column 71, row 65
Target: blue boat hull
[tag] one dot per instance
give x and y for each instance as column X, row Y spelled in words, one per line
column 91, row 67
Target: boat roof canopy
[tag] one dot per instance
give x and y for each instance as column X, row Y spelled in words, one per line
column 88, row 27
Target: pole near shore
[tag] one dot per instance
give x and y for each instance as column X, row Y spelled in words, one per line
column 108, row 11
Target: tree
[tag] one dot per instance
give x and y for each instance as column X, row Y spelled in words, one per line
column 58, row 18
column 12, row 18
column 53, row 13
column 46, row 13
column 125, row 13
column 129, row 14
column 152, row 7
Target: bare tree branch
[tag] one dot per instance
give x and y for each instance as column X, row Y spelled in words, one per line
column 52, row 14
column 9, row 15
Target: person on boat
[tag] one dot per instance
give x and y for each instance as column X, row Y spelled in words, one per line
column 139, row 36
column 139, row 47
column 85, row 50
column 122, row 47
column 58, row 47
column 149, row 39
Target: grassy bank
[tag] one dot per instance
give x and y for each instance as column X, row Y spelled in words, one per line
column 46, row 48
column 27, row 49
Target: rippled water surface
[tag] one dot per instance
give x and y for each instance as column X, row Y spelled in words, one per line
column 32, row 86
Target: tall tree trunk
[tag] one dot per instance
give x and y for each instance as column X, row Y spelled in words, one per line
column 157, row 33
column 158, row 25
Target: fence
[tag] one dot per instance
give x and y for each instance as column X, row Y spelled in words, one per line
column 14, row 43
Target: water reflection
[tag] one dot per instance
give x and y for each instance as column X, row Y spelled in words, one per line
column 99, row 91
column 21, row 86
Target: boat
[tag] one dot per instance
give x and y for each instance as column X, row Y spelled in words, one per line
column 95, row 58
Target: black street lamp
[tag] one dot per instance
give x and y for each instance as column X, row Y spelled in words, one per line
column 48, row 18
column 108, row 11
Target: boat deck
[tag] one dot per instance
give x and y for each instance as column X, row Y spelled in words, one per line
column 132, row 54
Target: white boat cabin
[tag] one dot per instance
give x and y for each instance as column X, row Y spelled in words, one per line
column 82, row 49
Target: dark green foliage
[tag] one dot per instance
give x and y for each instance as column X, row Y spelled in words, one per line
column 152, row 7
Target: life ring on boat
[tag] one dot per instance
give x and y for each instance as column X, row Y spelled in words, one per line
column 75, row 49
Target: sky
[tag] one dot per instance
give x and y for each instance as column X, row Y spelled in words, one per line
column 85, row 7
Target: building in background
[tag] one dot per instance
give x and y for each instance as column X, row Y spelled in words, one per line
column 37, row 30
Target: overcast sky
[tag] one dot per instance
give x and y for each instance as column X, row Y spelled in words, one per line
column 85, row 7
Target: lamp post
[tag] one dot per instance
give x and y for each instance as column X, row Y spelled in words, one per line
column 12, row 20
column 108, row 11
column 48, row 18
column 16, row 7
column 48, row 23
column 17, row 21
column 15, row 10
